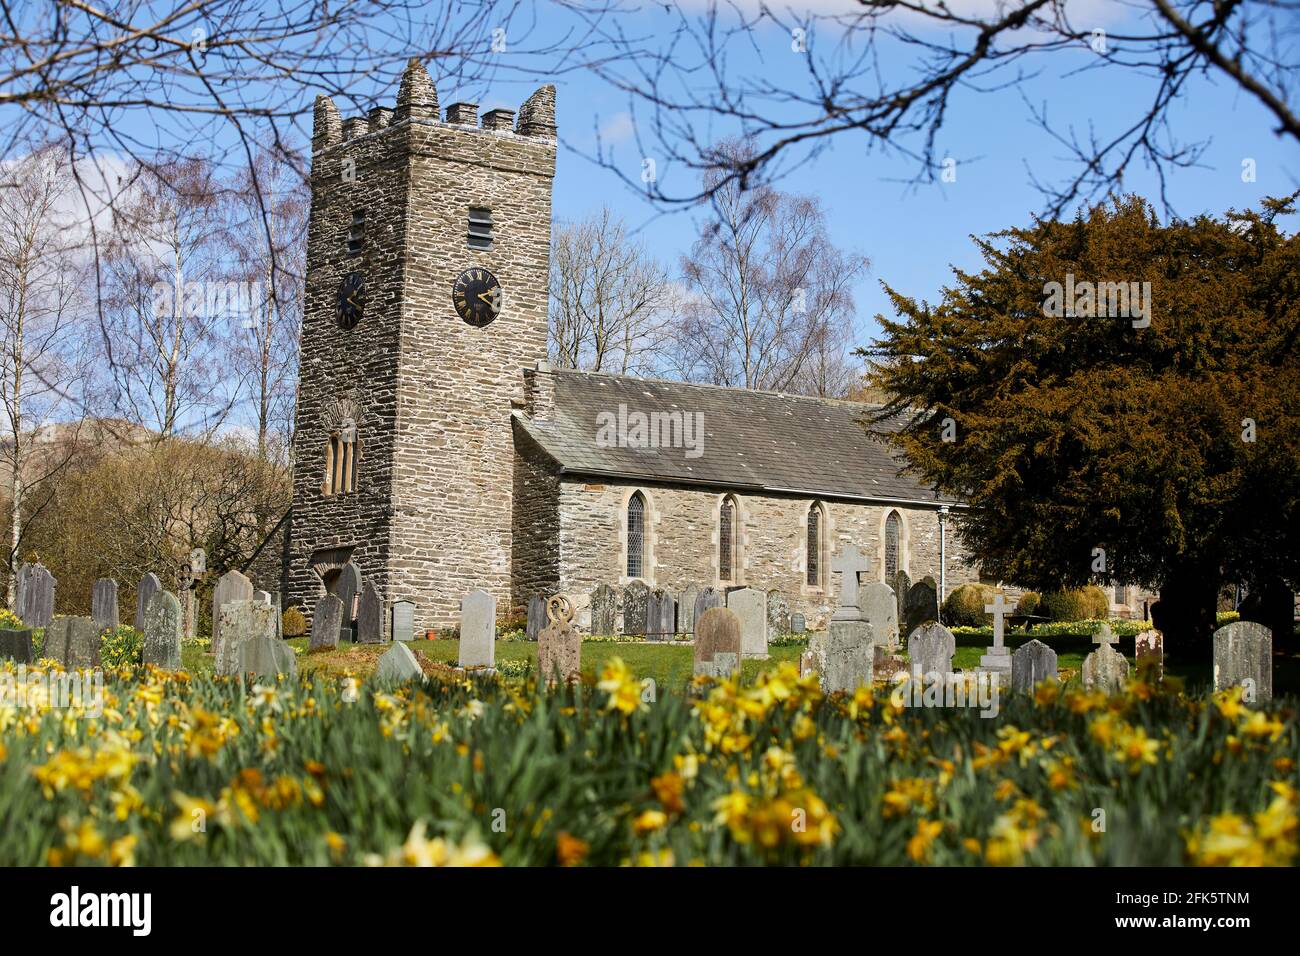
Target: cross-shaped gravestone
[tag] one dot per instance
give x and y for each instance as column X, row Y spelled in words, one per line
column 998, row 658
column 850, row 562
column 1105, row 636
column 998, row 609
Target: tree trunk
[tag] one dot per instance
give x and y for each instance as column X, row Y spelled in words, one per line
column 1185, row 612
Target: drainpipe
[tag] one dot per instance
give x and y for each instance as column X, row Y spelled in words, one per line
column 943, row 554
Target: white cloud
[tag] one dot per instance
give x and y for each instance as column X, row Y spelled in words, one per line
column 617, row 129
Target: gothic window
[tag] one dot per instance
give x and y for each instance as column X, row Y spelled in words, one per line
column 341, row 456
column 893, row 530
column 727, row 539
column 636, row 536
column 357, row 233
column 1121, row 594
column 480, row 228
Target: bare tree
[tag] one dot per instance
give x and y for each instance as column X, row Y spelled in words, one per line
column 40, row 337
column 610, row 298
column 771, row 302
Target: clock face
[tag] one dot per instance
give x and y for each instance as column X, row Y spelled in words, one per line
column 477, row 296
column 351, row 300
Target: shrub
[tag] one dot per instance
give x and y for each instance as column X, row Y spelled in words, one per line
column 965, row 605
column 121, row 646
column 293, row 623
column 1078, row 604
column 1029, row 603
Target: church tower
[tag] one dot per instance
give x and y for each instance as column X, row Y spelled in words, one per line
column 426, row 296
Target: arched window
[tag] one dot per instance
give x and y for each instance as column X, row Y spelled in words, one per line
column 815, row 545
column 726, row 539
column 893, row 530
column 636, row 536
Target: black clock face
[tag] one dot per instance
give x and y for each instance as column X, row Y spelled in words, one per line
column 351, row 300
column 477, row 296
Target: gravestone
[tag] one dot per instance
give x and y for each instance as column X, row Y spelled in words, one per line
column 347, row 588
column 232, row 587
column 536, row 617
column 652, row 615
column 38, row 596
column 326, row 621
column 1243, row 657
column 163, row 626
column 478, row 622
column 1105, row 669
column 750, row 605
column 797, row 623
column 997, row 659
column 20, row 587
column 403, row 621
column 636, row 597
column 661, row 616
column 144, row 591
column 930, row 648
column 266, row 657
column 902, row 587
column 73, row 642
column 398, row 665
column 103, row 603
column 778, row 615
column 1149, row 647
column 887, row 666
column 604, row 611
column 242, row 621
column 1032, row 663
column 370, row 616
column 707, row 600
column 16, row 646
column 559, row 645
column 880, row 607
column 844, row 656
column 717, row 643
column 922, row 604
column 686, row 609
column 262, row 596
column 849, row 564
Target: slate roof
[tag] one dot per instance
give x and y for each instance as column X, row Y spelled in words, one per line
column 754, row 441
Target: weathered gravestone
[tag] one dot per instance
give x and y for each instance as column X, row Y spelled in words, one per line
column 73, row 642
column 243, row 621
column 902, row 585
column 850, row 563
column 398, row 665
column 707, row 600
column 16, row 646
column 163, row 626
column 536, row 617
column 1032, row 663
column 1105, row 669
column 263, row 596
column 403, row 621
column 778, row 615
column 887, row 666
column 347, row 588
column 1243, row 657
column 559, row 645
column 750, row 605
column 843, row 656
column 922, row 604
column 686, row 609
column 370, row 616
column 997, row 659
column 717, row 643
column 880, row 608
column 20, row 587
column 930, row 648
column 636, row 598
column 798, row 624
column 38, row 597
column 326, row 621
column 103, row 603
column 478, row 622
column 661, row 616
column 144, row 591
column 1149, row 647
column 232, row 587
column 653, row 615
column 266, row 657
column 604, row 611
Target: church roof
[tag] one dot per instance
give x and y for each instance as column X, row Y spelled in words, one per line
column 751, row 440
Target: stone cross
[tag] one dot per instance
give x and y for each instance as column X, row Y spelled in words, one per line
column 850, row 562
column 1104, row 636
column 998, row 609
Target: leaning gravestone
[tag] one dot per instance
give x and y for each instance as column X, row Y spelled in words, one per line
column 750, row 606
column 930, row 648
column 717, row 643
column 266, row 657
column 16, row 646
column 163, row 625
column 370, row 616
column 347, row 588
column 636, row 598
column 478, row 621
column 1032, row 663
column 604, row 611
column 397, row 665
column 243, row 621
column 149, row 586
column 880, row 607
column 536, row 617
column 325, row 623
column 1150, row 653
column 103, row 604
column 559, row 645
column 73, row 642
column 403, row 621
column 778, row 615
column 1243, row 657
column 232, row 587
column 686, row 609
column 922, row 604
column 38, row 597
column 707, row 600
column 843, row 656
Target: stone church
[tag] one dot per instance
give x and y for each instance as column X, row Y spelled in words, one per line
column 438, row 451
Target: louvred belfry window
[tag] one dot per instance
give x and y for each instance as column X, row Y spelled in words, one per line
column 635, row 536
